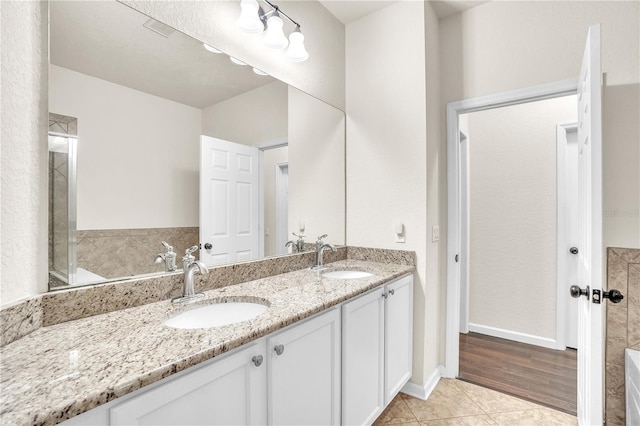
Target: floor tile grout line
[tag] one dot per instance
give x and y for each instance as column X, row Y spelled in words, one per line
column 455, row 382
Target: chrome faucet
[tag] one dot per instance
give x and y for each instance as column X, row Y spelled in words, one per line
column 168, row 258
column 189, row 265
column 320, row 248
column 298, row 246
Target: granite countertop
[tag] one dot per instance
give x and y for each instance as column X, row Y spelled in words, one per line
column 60, row 371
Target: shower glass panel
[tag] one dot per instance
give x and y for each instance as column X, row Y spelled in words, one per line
column 62, row 208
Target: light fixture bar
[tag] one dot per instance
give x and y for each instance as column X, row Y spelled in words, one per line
column 254, row 20
column 277, row 8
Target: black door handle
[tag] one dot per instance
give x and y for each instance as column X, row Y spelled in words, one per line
column 208, row 246
column 613, row 295
column 576, row 291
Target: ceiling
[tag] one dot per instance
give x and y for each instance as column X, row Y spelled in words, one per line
column 107, row 40
column 348, row 11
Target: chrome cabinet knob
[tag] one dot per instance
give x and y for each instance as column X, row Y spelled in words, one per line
column 392, row 292
column 573, row 250
column 279, row 349
column 257, row 360
column 385, row 295
column 208, row 246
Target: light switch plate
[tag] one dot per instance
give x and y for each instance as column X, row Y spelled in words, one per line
column 435, row 233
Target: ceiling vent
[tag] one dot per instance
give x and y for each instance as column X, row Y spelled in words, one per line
column 159, row 28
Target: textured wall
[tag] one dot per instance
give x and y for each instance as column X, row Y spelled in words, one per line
column 215, row 23
column 387, row 149
column 512, row 155
column 502, row 46
column 436, row 200
column 24, row 159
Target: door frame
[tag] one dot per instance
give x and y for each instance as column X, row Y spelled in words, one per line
column 282, row 206
column 562, row 240
column 465, row 225
column 262, row 147
column 454, row 202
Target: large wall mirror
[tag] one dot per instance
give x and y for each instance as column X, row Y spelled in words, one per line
column 155, row 137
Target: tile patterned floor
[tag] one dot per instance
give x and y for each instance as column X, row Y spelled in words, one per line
column 454, row 402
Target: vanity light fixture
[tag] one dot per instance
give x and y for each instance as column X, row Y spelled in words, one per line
column 254, row 20
column 296, row 51
column 250, row 20
column 274, row 37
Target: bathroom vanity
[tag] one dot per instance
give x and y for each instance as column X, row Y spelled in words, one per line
column 326, row 351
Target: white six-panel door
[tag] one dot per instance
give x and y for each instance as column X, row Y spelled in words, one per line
column 590, row 272
column 229, row 201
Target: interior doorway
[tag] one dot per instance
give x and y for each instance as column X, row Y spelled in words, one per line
column 591, row 322
column 514, row 298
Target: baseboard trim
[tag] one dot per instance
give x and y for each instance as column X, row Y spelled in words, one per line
column 422, row 392
column 530, row 339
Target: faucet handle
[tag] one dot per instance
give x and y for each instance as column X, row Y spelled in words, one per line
column 301, row 236
column 167, row 246
column 321, row 237
column 190, row 250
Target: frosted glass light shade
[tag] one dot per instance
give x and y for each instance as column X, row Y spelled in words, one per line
column 211, row 48
column 249, row 20
column 274, row 37
column 236, row 61
column 296, row 51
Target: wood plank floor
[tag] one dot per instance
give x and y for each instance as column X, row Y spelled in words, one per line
column 544, row 376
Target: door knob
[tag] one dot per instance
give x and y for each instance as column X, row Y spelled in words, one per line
column 576, row 291
column 208, row 246
column 613, row 295
column 573, row 250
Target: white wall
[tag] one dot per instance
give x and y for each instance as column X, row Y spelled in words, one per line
column 118, row 131
column 322, row 75
column 256, row 116
column 23, row 152
column 502, row 46
column 436, row 171
column 316, row 168
column 387, row 149
column 513, row 222
column 272, row 157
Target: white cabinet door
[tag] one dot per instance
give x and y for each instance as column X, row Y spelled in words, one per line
column 230, row 391
column 304, row 373
column 398, row 336
column 363, row 358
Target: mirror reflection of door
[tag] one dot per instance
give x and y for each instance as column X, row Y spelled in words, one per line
column 229, row 202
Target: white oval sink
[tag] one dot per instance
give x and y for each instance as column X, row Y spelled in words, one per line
column 346, row 275
column 216, row 315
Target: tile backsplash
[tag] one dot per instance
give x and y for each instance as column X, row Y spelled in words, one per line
column 123, row 253
column 623, row 326
column 117, row 253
